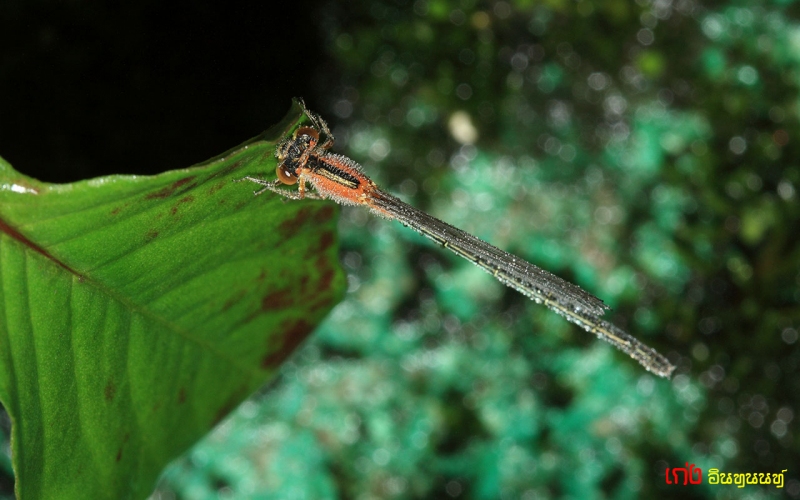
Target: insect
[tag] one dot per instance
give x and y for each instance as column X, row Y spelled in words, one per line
column 305, row 159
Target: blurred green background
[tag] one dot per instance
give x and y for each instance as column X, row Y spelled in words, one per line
column 645, row 150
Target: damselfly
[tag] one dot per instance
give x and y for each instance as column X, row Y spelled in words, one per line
column 305, row 158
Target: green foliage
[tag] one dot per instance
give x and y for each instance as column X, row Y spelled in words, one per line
column 136, row 312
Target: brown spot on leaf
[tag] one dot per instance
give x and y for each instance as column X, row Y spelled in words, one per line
column 295, row 333
column 185, row 199
column 327, row 278
column 324, row 214
column 161, row 193
column 109, row 391
column 320, row 303
column 279, row 299
column 151, row 235
column 124, row 441
column 116, row 210
column 182, row 395
column 170, row 190
column 321, row 262
column 288, row 227
column 325, row 241
column 216, row 187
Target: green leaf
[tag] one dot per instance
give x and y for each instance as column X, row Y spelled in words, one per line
column 136, row 312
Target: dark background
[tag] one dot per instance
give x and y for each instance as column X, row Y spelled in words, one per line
column 93, row 88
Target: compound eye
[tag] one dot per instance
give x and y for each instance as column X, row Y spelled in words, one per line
column 313, row 135
column 285, row 175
